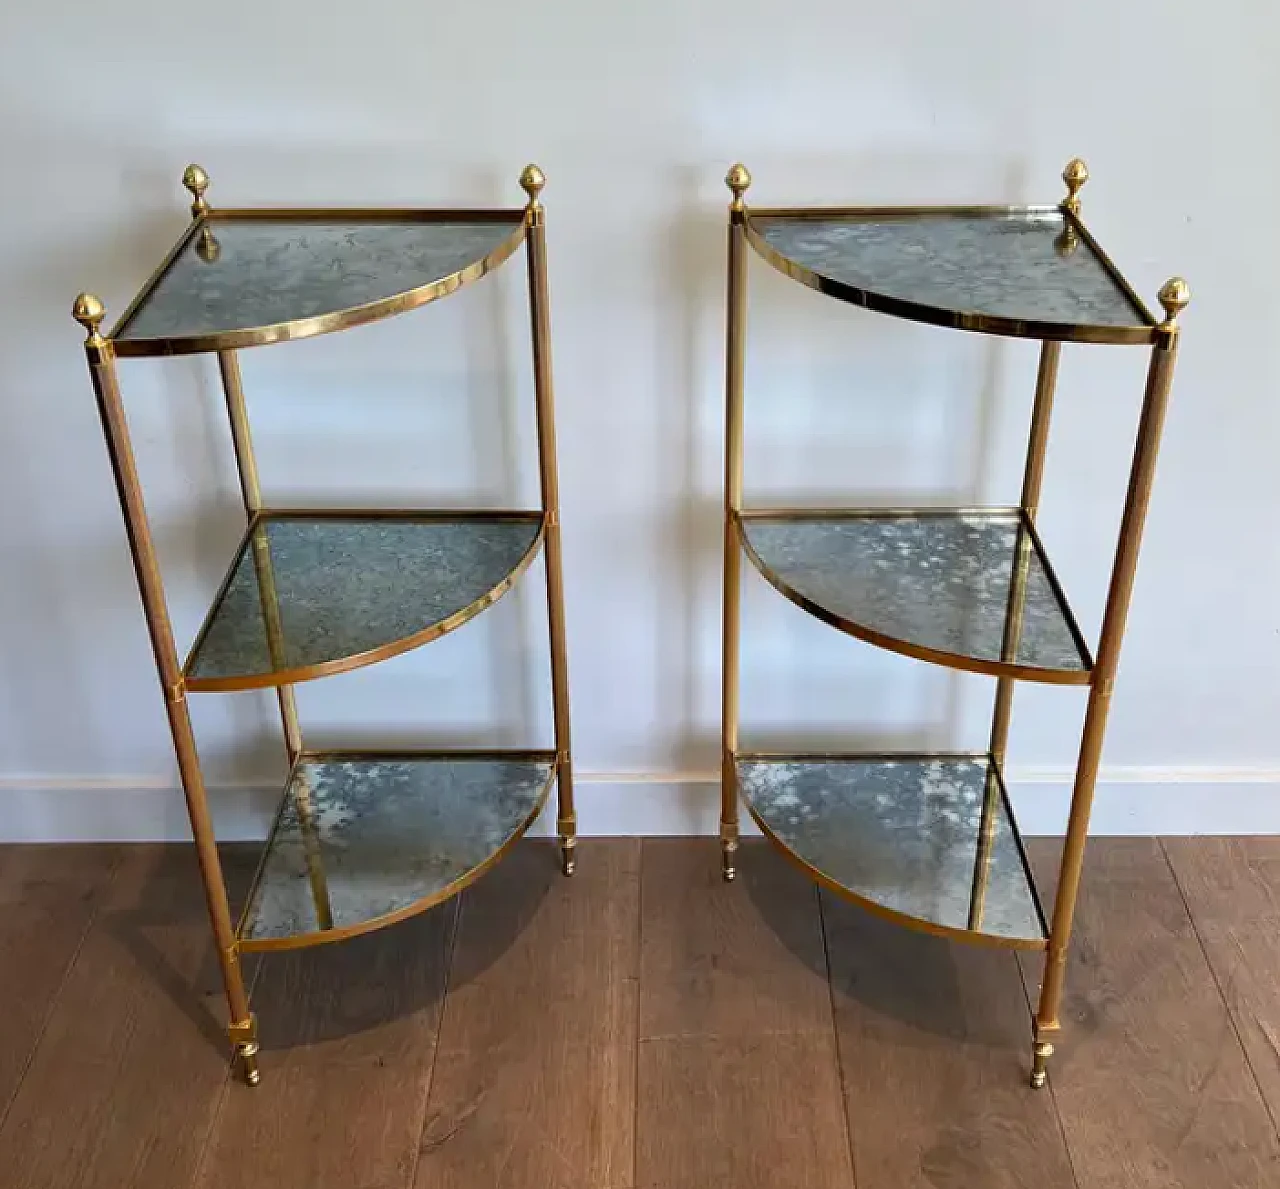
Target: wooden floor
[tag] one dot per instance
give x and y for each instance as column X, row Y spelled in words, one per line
column 642, row 1026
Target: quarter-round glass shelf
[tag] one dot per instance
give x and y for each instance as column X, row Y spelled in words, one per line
column 1029, row 272
column 365, row 839
column 315, row 593
column 969, row 589
column 928, row 841
column 245, row 278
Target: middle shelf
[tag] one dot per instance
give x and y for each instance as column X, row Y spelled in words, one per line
column 967, row 588
column 311, row 593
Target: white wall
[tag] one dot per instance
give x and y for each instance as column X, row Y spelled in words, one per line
column 635, row 111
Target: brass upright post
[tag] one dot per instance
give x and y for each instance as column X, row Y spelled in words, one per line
column 88, row 311
column 1032, row 476
column 737, row 179
column 532, row 181
column 1173, row 297
column 247, row 467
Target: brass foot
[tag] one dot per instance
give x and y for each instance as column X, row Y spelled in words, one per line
column 1041, row 1053
column 244, row 1036
column 728, row 857
column 248, row 1055
column 568, row 861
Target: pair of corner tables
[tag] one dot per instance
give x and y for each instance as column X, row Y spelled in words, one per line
column 365, row 838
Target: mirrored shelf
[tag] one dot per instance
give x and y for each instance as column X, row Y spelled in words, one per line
column 968, row 589
column 928, row 840
column 315, row 593
column 364, row 839
column 245, row 278
column 1024, row 271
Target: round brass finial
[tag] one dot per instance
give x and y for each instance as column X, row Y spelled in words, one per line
column 89, row 312
column 738, row 179
column 1175, row 293
column 1075, row 175
column 532, row 179
column 197, row 181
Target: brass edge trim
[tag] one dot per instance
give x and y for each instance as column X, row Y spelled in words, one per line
column 388, row 754
column 366, row 214
column 299, row 941
column 401, row 513
column 154, row 278
column 917, row 652
column 997, row 769
column 259, row 870
column 874, row 513
column 1077, row 224
column 1072, row 626
column 361, row 659
column 904, row 213
column 784, row 756
column 327, row 323
column 255, row 518
column 898, row 307
column 916, row 924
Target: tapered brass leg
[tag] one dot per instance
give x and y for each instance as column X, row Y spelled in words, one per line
column 244, row 1039
column 737, row 179
column 1173, row 296
column 1040, row 1054
column 89, row 313
column 532, row 181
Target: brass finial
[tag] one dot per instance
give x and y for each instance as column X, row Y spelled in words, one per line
column 197, row 181
column 738, row 179
column 1175, row 293
column 89, row 312
column 1075, row 175
column 532, row 179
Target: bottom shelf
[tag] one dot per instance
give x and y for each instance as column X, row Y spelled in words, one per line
column 364, row 839
column 927, row 840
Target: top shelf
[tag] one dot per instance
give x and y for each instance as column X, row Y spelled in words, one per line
column 1027, row 272
column 243, row 278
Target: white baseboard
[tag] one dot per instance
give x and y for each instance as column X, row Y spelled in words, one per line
column 1128, row 801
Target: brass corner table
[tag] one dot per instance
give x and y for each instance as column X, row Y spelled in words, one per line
column 930, row 841
column 365, row 838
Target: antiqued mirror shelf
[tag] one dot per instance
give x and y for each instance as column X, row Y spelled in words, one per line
column 245, row 278
column 970, row 589
column 362, row 839
column 365, row 839
column 311, row 594
column 1030, row 272
column 931, row 841
column 927, row 840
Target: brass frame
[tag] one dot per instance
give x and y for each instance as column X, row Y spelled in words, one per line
column 102, row 351
column 1162, row 336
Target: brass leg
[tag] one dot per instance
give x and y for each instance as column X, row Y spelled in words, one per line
column 251, row 492
column 101, row 358
column 737, row 179
column 1141, row 477
column 244, row 1038
column 532, row 181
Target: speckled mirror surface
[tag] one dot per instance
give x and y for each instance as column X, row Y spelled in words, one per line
column 928, row 837
column 937, row 581
column 345, row 586
column 248, row 273
column 1025, row 266
column 360, row 839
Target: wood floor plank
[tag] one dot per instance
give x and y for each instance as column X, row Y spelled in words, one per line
column 348, row 1035
column 124, row 1085
column 752, row 1112
column 1232, row 888
column 48, row 898
column 934, row 1039
column 735, row 959
column 1149, row 1079
column 534, row 1082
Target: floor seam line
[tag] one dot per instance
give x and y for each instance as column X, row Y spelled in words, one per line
column 835, row 1040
